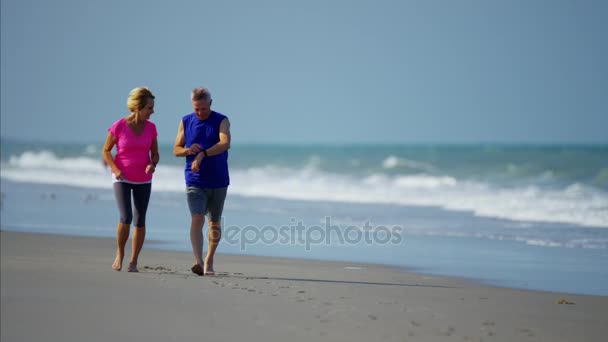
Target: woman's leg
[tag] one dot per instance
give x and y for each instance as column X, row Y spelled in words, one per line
column 122, row 193
column 122, row 235
column 141, row 198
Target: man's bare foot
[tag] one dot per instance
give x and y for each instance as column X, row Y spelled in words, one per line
column 209, row 268
column 117, row 265
column 197, row 269
column 132, row 267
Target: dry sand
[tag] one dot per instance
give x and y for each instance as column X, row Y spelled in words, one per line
column 57, row 288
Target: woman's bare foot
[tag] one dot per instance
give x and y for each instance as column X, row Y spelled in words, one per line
column 132, row 267
column 117, row 265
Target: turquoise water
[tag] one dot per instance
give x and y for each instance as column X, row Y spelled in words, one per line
column 522, row 216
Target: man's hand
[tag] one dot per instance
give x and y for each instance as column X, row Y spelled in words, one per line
column 194, row 149
column 196, row 163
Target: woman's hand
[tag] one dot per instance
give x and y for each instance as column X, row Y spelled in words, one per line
column 118, row 174
column 150, row 168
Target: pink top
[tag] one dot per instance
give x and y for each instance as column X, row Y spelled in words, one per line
column 133, row 151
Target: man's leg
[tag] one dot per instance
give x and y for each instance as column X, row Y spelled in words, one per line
column 215, row 235
column 215, row 207
column 197, row 203
column 196, row 237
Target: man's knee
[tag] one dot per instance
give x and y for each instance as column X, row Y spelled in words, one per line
column 215, row 231
column 198, row 220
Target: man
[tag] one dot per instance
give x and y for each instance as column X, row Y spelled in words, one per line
column 203, row 137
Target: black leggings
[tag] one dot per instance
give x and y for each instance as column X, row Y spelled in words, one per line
column 141, row 197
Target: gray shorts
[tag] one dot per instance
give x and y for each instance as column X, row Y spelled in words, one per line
column 208, row 202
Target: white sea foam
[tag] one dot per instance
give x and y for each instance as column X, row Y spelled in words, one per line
column 576, row 204
column 392, row 162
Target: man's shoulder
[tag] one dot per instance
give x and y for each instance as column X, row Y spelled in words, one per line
column 219, row 115
column 187, row 116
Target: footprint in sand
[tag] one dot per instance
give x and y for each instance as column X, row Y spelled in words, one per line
column 372, row 317
column 414, row 323
column 157, row 268
column 526, row 332
column 448, row 332
column 488, row 323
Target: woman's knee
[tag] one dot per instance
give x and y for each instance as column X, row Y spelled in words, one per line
column 140, row 221
column 126, row 219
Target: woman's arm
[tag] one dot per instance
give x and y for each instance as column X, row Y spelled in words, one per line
column 107, row 156
column 154, row 157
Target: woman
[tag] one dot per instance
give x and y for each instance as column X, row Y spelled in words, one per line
column 132, row 168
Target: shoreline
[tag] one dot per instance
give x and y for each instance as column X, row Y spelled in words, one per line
column 434, row 241
column 64, row 286
column 156, row 245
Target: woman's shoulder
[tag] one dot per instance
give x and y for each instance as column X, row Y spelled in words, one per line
column 120, row 122
column 118, row 125
column 151, row 127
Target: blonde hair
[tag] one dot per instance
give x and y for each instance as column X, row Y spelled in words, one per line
column 138, row 98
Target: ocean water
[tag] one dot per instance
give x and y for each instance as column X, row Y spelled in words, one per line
column 523, row 216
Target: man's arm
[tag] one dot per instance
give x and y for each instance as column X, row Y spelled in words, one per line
column 224, row 143
column 179, row 149
column 222, row 146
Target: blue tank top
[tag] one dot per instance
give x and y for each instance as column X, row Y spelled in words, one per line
column 213, row 172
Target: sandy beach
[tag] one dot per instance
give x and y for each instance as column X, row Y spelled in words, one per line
column 61, row 288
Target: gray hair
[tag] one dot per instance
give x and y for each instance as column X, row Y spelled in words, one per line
column 201, row 93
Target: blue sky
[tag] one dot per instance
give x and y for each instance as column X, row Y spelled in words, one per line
column 312, row 71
